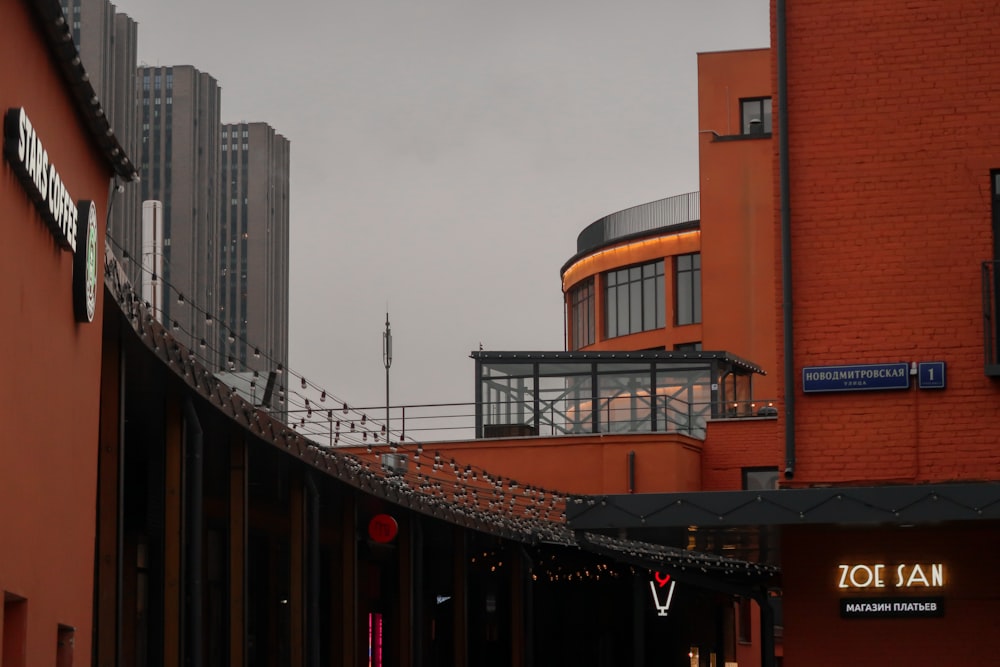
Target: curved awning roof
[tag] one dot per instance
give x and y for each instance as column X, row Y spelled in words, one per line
column 489, row 504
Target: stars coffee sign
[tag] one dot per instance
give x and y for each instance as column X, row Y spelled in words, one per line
column 73, row 223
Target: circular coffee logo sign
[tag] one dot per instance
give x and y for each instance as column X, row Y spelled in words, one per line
column 85, row 263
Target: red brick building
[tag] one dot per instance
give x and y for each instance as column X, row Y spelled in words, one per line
column 153, row 515
column 892, row 212
column 662, row 283
column 651, row 292
column 886, row 182
column 59, row 162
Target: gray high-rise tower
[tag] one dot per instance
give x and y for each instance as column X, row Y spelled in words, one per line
column 253, row 246
column 180, row 167
column 225, row 204
column 107, row 42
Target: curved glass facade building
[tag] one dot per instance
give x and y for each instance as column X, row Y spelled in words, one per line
column 635, row 282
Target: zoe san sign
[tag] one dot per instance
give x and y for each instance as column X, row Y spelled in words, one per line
column 881, row 581
column 899, row 576
column 29, row 159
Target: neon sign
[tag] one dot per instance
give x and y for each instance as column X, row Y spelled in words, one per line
column 900, row 576
column 656, row 587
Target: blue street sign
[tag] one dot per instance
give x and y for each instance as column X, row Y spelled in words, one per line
column 863, row 377
column 930, row 374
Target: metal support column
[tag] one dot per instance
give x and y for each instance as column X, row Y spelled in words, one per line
column 108, row 582
column 237, row 551
column 766, row 629
column 193, row 505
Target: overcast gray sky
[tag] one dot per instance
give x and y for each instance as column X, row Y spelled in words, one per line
column 445, row 155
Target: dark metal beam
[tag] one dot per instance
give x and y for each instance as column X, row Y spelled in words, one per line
column 832, row 505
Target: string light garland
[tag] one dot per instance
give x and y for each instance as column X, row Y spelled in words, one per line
column 350, row 447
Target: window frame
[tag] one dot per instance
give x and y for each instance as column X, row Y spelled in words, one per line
column 692, row 292
column 631, row 291
column 766, row 115
column 583, row 323
column 749, row 472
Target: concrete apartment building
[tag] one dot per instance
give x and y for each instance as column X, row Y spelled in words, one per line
column 179, row 161
column 225, row 201
column 253, row 247
column 108, row 44
column 225, row 195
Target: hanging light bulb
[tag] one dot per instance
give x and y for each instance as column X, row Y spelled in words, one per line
column 180, row 298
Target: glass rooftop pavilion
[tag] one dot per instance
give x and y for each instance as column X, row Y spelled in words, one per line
column 572, row 393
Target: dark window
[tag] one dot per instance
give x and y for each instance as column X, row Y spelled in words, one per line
column 688, row 347
column 634, row 299
column 760, row 479
column 755, row 115
column 744, row 621
column 991, row 288
column 687, row 281
column 581, row 305
column 64, row 645
column 14, row 636
column 996, row 216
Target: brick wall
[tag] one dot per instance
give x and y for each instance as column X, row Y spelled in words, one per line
column 891, row 116
column 732, row 445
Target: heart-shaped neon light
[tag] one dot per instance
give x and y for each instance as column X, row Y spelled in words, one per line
column 661, row 579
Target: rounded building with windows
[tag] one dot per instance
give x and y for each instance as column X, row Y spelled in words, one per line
column 635, row 282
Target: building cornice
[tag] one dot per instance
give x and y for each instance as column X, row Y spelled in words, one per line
column 59, row 37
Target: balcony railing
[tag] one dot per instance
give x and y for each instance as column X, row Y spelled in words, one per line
column 536, row 394
column 658, row 215
column 442, row 422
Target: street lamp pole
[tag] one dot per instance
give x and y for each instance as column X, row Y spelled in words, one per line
column 387, row 360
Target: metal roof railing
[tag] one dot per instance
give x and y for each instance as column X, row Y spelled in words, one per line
column 653, row 216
